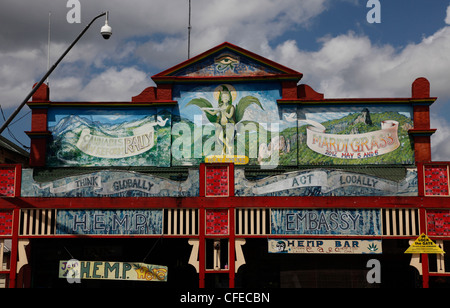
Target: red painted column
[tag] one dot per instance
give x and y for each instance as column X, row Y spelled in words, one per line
column 231, row 250
column 201, row 248
column 420, row 179
column 425, row 271
column 39, row 131
column 424, row 256
column 201, row 231
column 14, row 249
column 421, row 133
column 164, row 92
column 231, row 233
column 15, row 229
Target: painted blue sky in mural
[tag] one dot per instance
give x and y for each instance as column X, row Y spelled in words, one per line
column 331, row 42
column 105, row 116
column 324, row 114
column 266, row 95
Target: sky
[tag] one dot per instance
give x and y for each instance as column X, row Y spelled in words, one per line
column 340, row 53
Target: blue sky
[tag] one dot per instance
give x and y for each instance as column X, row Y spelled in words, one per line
column 329, row 41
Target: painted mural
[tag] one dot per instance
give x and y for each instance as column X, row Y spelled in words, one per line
column 108, row 137
column 226, row 64
column 110, row 184
column 238, row 122
column 326, row 222
column 325, row 182
column 109, row 222
column 233, row 120
column 355, row 135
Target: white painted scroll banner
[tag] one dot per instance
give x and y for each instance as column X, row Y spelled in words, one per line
column 112, row 186
column 141, row 140
column 310, row 179
column 330, row 182
column 354, row 146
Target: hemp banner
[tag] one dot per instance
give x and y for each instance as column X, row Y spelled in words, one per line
column 73, row 270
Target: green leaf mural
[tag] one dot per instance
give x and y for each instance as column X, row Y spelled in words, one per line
column 226, row 113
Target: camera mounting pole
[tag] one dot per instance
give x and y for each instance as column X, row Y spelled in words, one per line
column 35, row 88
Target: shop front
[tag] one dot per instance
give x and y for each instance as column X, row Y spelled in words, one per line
column 227, row 173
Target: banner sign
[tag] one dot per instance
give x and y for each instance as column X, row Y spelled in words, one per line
column 141, row 140
column 74, row 269
column 109, row 137
column 329, row 183
column 353, row 135
column 326, row 221
column 307, row 179
column 313, row 246
column 325, row 182
column 353, row 146
column 111, row 183
column 109, row 222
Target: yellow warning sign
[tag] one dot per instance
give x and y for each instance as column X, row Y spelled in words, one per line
column 423, row 244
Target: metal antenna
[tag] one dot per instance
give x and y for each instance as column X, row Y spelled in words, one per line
column 189, row 32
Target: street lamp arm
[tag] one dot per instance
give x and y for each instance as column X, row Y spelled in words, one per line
column 35, row 88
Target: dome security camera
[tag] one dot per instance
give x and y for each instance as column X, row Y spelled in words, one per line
column 106, row 31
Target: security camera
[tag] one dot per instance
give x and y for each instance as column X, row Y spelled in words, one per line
column 106, row 31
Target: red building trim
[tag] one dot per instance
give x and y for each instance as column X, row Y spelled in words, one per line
column 168, row 75
column 230, row 202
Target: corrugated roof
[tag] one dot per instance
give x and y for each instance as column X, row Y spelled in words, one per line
column 5, row 143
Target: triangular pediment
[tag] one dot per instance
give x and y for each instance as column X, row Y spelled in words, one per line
column 227, row 61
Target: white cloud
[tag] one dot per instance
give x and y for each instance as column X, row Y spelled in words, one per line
column 447, row 19
column 116, row 85
column 439, row 141
column 155, row 32
column 351, row 65
column 15, row 69
column 250, row 24
column 111, row 85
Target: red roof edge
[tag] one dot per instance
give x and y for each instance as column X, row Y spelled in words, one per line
column 166, row 74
